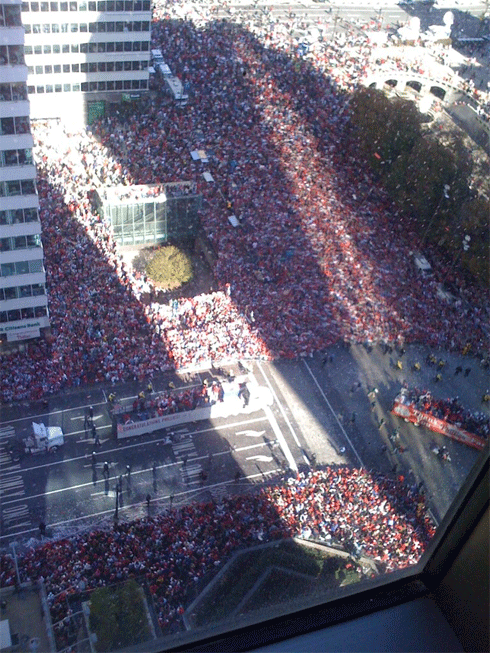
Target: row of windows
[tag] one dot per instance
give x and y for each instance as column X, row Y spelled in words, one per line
column 15, row 157
column 23, row 314
column 118, row 85
column 86, row 48
column 92, row 28
column 20, row 242
column 104, row 5
column 20, row 292
column 21, row 267
column 17, row 187
column 18, row 216
column 11, row 54
column 14, row 125
column 94, row 67
column 16, row 91
column 10, row 16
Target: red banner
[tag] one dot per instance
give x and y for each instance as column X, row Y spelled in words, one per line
column 411, row 414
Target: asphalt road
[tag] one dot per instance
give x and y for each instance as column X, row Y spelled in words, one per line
column 309, row 421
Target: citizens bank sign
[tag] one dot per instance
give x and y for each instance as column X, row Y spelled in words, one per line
column 21, row 331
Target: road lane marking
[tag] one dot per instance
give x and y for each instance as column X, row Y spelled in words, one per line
column 333, row 413
column 261, row 459
column 250, row 434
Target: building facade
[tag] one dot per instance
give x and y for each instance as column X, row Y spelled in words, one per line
column 23, row 300
column 80, row 55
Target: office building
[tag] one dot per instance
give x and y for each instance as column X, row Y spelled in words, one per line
column 81, row 55
column 23, row 300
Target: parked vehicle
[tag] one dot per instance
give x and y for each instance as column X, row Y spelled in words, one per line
column 43, row 439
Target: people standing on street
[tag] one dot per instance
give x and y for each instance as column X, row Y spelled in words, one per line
column 94, row 459
column 106, row 470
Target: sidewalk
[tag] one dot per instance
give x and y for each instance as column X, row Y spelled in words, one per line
column 26, row 620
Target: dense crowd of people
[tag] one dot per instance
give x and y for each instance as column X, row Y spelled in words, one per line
column 369, row 515
column 168, row 402
column 449, row 410
column 319, row 254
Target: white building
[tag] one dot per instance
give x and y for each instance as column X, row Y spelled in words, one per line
column 82, row 54
column 23, row 301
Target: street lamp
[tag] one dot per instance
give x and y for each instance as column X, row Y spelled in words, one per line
column 445, row 195
column 116, row 514
column 465, row 248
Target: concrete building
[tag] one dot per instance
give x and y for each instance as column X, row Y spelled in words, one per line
column 23, row 300
column 83, row 54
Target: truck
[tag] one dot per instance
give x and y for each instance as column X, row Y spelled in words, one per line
column 43, row 439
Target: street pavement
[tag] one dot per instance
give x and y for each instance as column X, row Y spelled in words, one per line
column 321, row 414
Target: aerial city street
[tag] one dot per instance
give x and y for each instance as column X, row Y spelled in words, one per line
column 324, row 336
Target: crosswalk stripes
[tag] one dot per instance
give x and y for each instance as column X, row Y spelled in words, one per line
column 13, row 515
column 185, row 451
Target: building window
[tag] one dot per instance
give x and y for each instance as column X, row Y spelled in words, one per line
column 47, row 49
column 75, row 88
column 48, row 70
column 110, row 47
column 101, row 6
column 74, row 47
column 92, row 67
column 84, row 87
column 27, row 313
column 54, row 6
column 119, row 66
column 101, row 86
column 119, row 46
column 65, row 48
column 56, row 49
column 36, row 266
column 83, row 27
column 66, row 67
column 55, row 28
column 39, row 70
column 92, row 86
column 101, row 67
column 34, row 6
column 73, row 6
column 13, row 315
column 38, row 289
column 44, row 6
column 27, row 49
column 84, row 67
column 49, row 88
column 84, row 47
column 75, row 68
column 57, row 69
column 66, row 87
